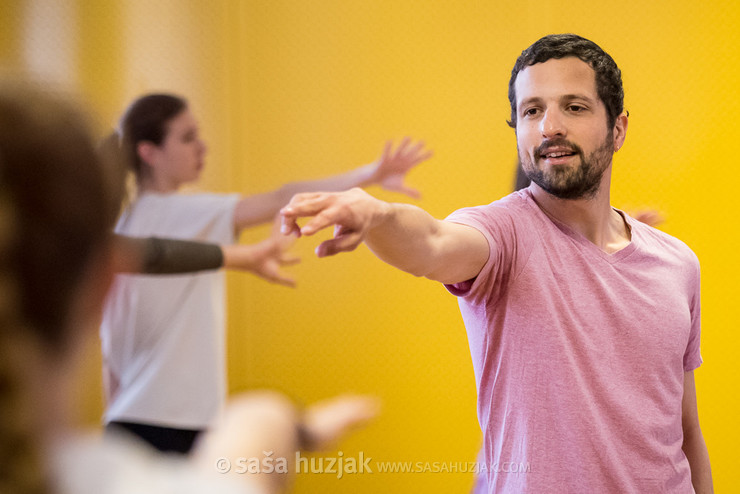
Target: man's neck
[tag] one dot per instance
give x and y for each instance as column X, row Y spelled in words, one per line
column 594, row 218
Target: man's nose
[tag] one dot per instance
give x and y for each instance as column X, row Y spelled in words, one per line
column 552, row 124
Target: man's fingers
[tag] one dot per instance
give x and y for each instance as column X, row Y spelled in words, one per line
column 289, row 226
column 344, row 242
column 340, row 209
column 324, row 219
column 285, row 242
column 302, row 205
column 299, row 208
column 279, row 241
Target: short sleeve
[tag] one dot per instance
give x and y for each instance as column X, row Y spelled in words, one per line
column 506, row 251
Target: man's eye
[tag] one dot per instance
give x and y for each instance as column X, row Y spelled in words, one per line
column 530, row 112
column 576, row 108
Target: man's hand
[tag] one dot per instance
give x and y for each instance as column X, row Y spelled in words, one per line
column 401, row 235
column 392, row 166
column 353, row 213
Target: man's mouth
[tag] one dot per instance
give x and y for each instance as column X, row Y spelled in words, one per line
column 557, row 149
column 557, row 154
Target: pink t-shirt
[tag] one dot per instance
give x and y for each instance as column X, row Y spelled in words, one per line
column 579, row 356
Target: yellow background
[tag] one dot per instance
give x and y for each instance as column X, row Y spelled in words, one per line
column 287, row 90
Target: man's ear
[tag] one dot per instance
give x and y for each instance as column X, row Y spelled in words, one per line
column 147, row 151
column 620, row 131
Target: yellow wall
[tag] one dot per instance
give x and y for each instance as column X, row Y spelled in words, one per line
column 289, row 90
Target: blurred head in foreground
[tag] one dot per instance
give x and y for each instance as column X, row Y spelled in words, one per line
column 57, row 206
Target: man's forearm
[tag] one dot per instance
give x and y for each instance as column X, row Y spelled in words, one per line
column 695, row 449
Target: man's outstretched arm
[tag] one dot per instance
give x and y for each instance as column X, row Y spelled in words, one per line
column 402, row 235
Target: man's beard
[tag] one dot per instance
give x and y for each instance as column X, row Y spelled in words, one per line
column 567, row 182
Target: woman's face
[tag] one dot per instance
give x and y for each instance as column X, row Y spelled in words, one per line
column 180, row 157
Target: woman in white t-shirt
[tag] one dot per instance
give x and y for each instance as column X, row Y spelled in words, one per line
column 56, row 265
column 163, row 339
column 56, row 210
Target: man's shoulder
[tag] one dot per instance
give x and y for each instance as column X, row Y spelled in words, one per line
column 515, row 204
column 663, row 243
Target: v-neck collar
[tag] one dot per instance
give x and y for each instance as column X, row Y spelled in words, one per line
column 586, row 244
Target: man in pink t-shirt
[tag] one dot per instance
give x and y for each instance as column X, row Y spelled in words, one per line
column 583, row 323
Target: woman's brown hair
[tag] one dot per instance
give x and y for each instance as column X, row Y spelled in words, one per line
column 146, row 120
column 56, row 211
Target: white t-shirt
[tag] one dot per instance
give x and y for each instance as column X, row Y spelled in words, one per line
column 118, row 465
column 163, row 336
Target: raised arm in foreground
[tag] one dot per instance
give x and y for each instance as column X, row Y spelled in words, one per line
column 402, row 235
